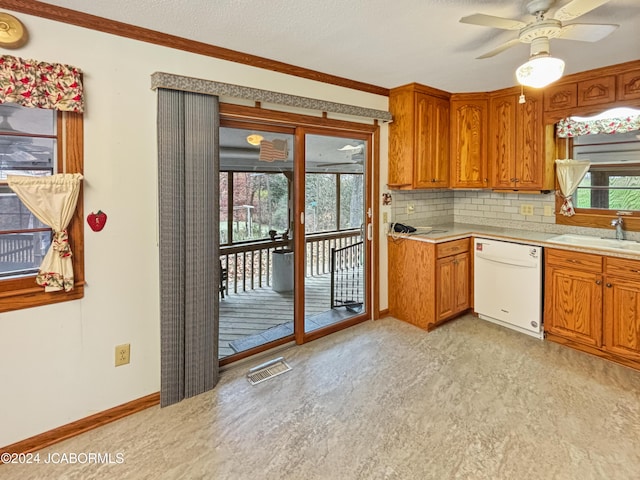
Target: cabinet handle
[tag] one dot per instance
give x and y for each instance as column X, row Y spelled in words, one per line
column 433, row 180
column 512, row 179
column 608, row 285
column 517, row 179
column 598, row 282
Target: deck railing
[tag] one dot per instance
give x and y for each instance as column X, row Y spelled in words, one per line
column 250, row 265
column 347, row 276
column 21, row 251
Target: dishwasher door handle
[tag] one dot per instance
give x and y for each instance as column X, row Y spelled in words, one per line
column 507, row 261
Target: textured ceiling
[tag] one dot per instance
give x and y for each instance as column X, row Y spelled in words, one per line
column 377, row 41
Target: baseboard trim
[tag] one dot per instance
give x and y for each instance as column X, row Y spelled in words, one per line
column 383, row 313
column 46, row 439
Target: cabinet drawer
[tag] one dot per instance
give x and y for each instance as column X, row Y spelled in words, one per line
column 583, row 261
column 622, row 267
column 452, row 248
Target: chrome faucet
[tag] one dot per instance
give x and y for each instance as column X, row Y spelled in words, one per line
column 618, row 223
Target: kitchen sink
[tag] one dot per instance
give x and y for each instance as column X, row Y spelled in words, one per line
column 605, row 243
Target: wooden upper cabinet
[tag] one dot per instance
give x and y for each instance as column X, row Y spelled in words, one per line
column 629, row 85
column 530, row 145
column 592, row 92
column 418, row 138
column 517, row 142
column 558, row 97
column 469, row 126
column 502, row 142
column 597, row 91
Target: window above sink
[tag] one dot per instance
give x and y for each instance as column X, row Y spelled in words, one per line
column 611, row 143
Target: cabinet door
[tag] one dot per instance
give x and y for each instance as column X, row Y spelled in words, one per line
column 469, row 143
column 452, row 285
column 502, row 143
column 529, row 159
column 560, row 97
column 597, row 91
column 401, row 139
column 622, row 317
column 445, row 288
column 461, row 284
column 573, row 305
column 629, row 85
column 431, row 162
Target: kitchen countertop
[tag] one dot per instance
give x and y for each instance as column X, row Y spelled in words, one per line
column 454, row 231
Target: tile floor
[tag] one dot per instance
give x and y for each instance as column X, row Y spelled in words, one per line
column 385, row 400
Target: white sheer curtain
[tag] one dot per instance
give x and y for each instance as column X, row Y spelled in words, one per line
column 570, row 173
column 52, row 200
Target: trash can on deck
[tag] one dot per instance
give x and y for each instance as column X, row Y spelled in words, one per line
column 282, row 280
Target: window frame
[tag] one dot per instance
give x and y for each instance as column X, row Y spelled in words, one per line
column 590, row 217
column 23, row 292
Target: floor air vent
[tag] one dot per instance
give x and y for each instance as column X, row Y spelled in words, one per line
column 267, row 370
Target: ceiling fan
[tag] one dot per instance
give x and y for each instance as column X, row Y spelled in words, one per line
column 539, row 31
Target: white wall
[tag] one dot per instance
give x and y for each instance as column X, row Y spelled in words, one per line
column 58, row 360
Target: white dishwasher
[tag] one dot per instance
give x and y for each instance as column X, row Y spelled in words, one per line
column 508, row 284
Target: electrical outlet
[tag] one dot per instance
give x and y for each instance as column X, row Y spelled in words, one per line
column 526, row 209
column 411, row 207
column 385, row 217
column 123, row 354
column 548, row 211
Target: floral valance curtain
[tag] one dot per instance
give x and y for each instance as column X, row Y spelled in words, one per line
column 569, row 127
column 36, row 84
column 52, row 200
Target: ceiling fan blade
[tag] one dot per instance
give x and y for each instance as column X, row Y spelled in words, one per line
column 586, row 32
column 500, row 49
column 577, row 8
column 491, row 21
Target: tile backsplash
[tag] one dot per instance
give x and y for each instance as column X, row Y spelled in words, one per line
column 483, row 207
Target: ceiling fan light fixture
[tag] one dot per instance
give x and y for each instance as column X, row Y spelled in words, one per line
column 254, row 139
column 540, row 71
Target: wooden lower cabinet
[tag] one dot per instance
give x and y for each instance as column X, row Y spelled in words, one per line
column 428, row 283
column 573, row 296
column 452, row 280
column 622, row 308
column 592, row 303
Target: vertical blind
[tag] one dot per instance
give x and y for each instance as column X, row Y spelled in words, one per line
column 188, row 206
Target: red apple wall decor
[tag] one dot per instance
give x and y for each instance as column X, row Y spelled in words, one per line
column 97, row 220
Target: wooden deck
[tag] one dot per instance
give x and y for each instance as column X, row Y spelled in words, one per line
column 255, row 317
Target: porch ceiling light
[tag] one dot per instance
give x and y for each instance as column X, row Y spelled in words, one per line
column 254, row 139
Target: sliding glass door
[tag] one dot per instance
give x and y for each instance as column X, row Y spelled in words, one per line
column 293, row 222
column 335, row 247
column 257, row 292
